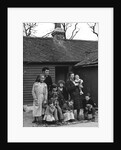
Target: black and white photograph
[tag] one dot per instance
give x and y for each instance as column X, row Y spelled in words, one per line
column 60, row 74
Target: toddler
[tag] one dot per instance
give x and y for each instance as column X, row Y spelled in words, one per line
column 79, row 82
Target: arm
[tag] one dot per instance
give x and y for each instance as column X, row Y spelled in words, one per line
column 33, row 92
column 65, row 93
column 50, row 82
column 70, row 86
column 46, row 92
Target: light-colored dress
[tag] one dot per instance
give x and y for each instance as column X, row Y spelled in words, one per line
column 39, row 93
column 49, row 114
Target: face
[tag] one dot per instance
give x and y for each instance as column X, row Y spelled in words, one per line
column 87, row 97
column 51, row 105
column 55, row 89
column 42, row 78
column 61, row 85
column 76, row 77
column 72, row 76
column 47, row 72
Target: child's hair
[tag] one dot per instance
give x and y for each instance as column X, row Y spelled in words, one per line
column 37, row 78
column 88, row 94
column 77, row 75
column 54, row 85
column 50, row 101
column 61, row 81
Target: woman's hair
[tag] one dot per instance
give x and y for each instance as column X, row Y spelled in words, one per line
column 61, row 81
column 37, row 78
column 69, row 74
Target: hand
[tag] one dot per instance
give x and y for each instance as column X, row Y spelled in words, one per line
column 86, row 108
column 36, row 102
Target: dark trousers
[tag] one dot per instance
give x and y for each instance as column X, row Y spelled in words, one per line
column 86, row 112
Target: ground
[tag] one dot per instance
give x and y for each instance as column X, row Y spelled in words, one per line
column 28, row 118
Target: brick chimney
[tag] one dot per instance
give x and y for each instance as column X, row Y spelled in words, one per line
column 58, row 32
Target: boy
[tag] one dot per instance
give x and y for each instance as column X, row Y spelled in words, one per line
column 88, row 106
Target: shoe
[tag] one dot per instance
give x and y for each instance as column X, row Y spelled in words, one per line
column 57, row 123
column 34, row 121
column 93, row 119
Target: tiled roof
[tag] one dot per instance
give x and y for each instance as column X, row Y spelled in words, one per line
column 37, row 49
column 91, row 60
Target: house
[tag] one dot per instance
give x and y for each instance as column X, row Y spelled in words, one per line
column 58, row 54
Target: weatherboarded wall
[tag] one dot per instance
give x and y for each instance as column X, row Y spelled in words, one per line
column 30, row 72
column 90, row 77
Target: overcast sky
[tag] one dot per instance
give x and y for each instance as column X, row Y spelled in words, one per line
column 85, row 33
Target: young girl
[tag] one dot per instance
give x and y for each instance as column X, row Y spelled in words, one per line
column 50, row 113
column 79, row 82
column 39, row 93
column 68, row 111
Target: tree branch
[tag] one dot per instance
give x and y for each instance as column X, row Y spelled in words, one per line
column 46, row 34
column 93, row 28
column 74, row 31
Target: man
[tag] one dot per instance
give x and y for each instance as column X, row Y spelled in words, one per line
column 48, row 79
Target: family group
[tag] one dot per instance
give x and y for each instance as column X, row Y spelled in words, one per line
column 55, row 103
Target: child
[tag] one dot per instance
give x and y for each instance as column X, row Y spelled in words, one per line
column 68, row 111
column 79, row 82
column 54, row 95
column 88, row 106
column 39, row 93
column 62, row 93
column 50, row 113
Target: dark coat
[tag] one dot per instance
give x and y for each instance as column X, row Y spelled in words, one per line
column 89, row 110
column 48, row 81
column 63, row 93
column 90, row 101
column 74, row 94
column 57, row 97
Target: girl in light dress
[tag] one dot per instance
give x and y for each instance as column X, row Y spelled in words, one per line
column 68, row 111
column 39, row 93
column 50, row 113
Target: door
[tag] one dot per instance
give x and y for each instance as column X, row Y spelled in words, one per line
column 61, row 73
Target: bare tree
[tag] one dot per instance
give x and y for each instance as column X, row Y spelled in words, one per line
column 66, row 26
column 93, row 28
column 28, row 29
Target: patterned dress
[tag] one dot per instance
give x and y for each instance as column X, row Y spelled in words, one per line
column 39, row 93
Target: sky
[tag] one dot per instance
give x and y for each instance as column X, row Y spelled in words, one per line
column 85, row 32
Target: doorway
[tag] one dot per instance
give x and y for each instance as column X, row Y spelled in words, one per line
column 61, row 73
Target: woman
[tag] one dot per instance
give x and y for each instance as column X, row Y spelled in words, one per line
column 39, row 92
column 74, row 93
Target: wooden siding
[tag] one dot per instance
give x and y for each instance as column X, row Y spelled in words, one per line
column 30, row 73
column 90, row 77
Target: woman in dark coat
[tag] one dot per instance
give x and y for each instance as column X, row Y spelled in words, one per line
column 74, row 93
